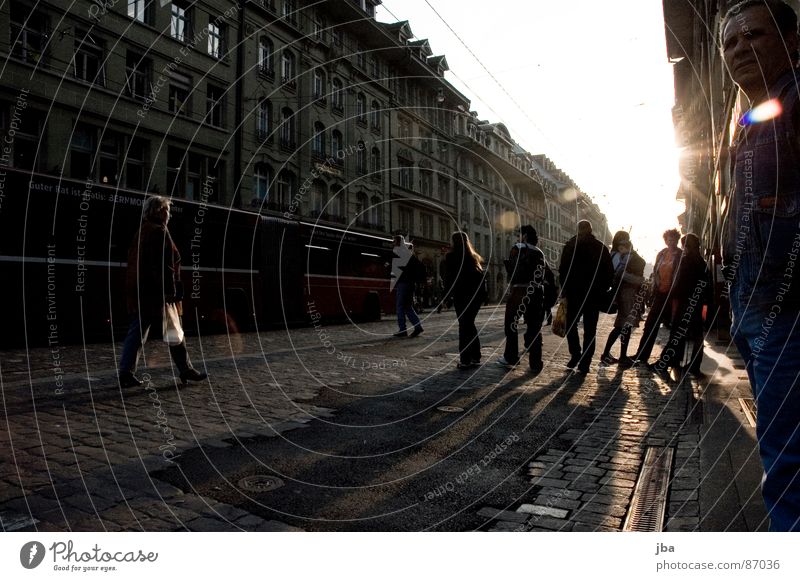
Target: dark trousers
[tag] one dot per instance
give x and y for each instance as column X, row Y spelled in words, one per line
column 674, row 350
column 469, row 345
column 525, row 304
column 137, row 334
column 577, row 308
column 661, row 309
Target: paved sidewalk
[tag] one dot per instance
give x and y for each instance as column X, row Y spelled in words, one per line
column 80, row 452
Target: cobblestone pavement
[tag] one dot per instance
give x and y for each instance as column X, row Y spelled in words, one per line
column 79, row 453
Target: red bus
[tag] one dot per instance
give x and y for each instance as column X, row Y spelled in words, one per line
column 63, row 253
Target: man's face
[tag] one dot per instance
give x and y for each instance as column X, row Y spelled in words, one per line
column 754, row 50
column 672, row 242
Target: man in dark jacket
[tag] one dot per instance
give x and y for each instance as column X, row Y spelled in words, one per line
column 153, row 280
column 586, row 274
column 528, row 271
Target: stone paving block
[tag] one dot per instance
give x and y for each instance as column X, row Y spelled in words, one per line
column 585, row 470
column 507, row 527
column 540, row 510
column 682, row 495
column 561, row 492
column 618, row 482
column 682, row 525
column 205, row 524
column 507, row 515
column 273, row 526
column 550, row 523
column 557, row 502
column 596, row 519
column 605, row 509
column 552, row 482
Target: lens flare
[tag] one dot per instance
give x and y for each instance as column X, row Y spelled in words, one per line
column 764, row 112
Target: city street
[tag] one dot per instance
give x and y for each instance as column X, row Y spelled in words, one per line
column 345, row 428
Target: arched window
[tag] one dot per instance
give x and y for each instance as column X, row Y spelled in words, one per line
column 286, row 184
column 262, row 180
column 361, row 108
column 337, row 102
column 287, row 128
column 288, row 67
column 337, row 146
column 265, row 57
column 319, row 140
column 263, row 120
column 376, row 115
column 361, row 158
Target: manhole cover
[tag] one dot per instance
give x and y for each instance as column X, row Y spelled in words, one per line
column 260, row 483
column 450, row 409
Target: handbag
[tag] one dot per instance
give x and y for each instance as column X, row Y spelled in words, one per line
column 560, row 320
column 172, row 332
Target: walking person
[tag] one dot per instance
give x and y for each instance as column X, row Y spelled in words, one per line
column 759, row 46
column 153, row 281
column 692, row 291
column 627, row 284
column 532, row 291
column 465, row 287
column 405, row 268
column 586, row 274
column 664, row 271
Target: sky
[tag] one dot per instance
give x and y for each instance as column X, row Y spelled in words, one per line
column 587, row 83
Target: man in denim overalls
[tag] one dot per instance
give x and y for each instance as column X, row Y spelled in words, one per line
column 762, row 239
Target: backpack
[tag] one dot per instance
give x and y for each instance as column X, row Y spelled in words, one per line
column 522, row 269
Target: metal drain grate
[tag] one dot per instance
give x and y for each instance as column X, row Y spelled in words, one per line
column 450, row 409
column 649, row 502
column 260, row 483
column 749, row 408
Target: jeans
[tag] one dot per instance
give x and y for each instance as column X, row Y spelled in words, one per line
column 137, row 334
column 469, row 345
column 405, row 305
column 768, row 338
column 577, row 308
column 528, row 305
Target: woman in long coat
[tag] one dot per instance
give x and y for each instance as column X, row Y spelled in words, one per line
column 153, row 280
column 464, row 281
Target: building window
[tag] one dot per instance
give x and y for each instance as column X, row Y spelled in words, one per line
column 88, row 59
column 444, row 229
column 81, row 152
column 338, row 96
column 140, row 10
column 319, row 198
column 216, row 40
column 29, row 135
column 180, row 23
column 444, row 189
column 179, row 91
column 215, row 106
column 285, row 188
column 288, row 68
column 426, row 181
column 318, row 29
column 138, row 72
column 361, row 109
column 375, row 211
column 289, row 11
column 29, row 33
column 262, row 178
column 374, row 68
column 318, row 89
column 263, row 120
column 361, row 57
column 287, row 128
column 361, row 158
column 405, row 129
column 265, row 52
column 135, row 164
column 406, row 172
column 407, row 221
column 337, row 145
column 375, row 164
column 426, row 221
column 376, row 116
column 338, row 36
column 175, row 172
column 318, row 148
column 109, row 158
column 362, row 209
